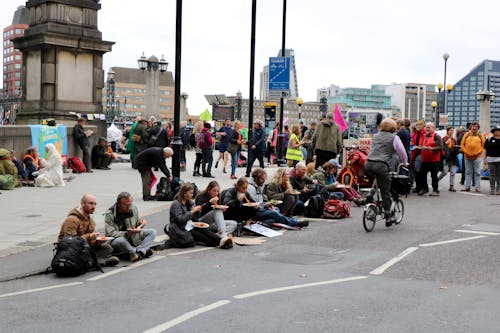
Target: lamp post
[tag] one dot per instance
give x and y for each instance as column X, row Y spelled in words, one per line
column 300, row 101
column 184, row 97
column 323, row 102
column 152, row 65
column 485, row 98
column 238, row 105
column 110, row 96
column 443, row 99
column 118, row 113
column 434, row 105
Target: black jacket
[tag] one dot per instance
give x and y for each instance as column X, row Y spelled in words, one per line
column 258, row 139
column 151, row 158
column 80, row 136
column 162, row 140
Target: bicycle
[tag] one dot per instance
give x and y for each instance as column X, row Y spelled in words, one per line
column 374, row 212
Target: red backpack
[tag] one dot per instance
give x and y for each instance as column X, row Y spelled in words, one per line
column 336, row 209
column 76, row 164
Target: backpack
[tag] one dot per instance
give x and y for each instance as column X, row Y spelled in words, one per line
column 164, row 190
column 7, row 182
column 178, row 237
column 314, row 206
column 153, row 139
column 201, row 140
column 76, row 164
column 192, row 140
column 73, row 257
column 186, row 136
column 336, row 209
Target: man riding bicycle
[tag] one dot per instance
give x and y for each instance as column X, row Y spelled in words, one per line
column 384, row 145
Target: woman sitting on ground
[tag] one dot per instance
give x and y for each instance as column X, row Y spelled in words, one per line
column 52, row 174
column 242, row 207
column 326, row 177
column 183, row 211
column 208, row 199
column 280, row 189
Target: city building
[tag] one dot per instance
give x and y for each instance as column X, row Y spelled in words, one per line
column 462, row 105
column 127, row 96
column 412, row 100
column 265, row 94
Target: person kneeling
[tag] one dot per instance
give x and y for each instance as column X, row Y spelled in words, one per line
column 123, row 223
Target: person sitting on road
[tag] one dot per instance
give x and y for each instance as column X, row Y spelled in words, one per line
column 384, row 145
column 242, row 206
column 305, row 185
column 268, row 212
column 183, row 212
column 79, row 222
column 52, row 174
column 122, row 222
column 153, row 157
column 209, row 199
column 101, row 159
column 8, row 170
column 280, row 189
column 32, row 162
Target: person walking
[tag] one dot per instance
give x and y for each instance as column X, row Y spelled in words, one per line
column 223, row 134
column 256, row 146
column 492, row 147
column 473, row 147
column 326, row 140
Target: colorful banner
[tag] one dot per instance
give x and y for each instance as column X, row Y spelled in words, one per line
column 43, row 134
column 362, row 123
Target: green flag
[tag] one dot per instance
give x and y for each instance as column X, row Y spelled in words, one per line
column 205, row 115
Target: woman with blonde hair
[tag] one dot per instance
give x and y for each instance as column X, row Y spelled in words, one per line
column 294, row 152
column 234, row 147
column 52, row 174
column 199, row 154
column 280, row 189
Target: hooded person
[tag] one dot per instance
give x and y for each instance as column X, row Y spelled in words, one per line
column 326, row 141
column 52, row 174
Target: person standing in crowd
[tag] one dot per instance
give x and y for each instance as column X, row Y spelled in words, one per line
column 450, row 158
column 223, row 134
column 327, row 140
column 431, row 146
column 256, row 146
column 492, row 147
column 206, row 144
column 157, row 134
column 416, row 158
column 473, row 146
column 52, row 173
column 122, row 222
column 194, row 138
column 234, row 147
column 101, row 159
column 80, row 222
column 185, row 132
column 286, row 138
column 404, row 134
column 140, row 136
column 294, row 152
column 384, row 145
column 303, row 128
column 82, row 138
column 154, row 157
column 460, row 134
column 307, row 142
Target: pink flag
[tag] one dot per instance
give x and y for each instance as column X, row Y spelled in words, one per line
column 338, row 119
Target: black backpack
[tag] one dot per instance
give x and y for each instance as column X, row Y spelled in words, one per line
column 164, row 191
column 314, row 206
column 73, row 257
column 186, row 136
column 192, row 140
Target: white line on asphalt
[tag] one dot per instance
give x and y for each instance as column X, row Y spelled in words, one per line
column 479, row 232
column 381, row 269
column 169, row 324
column 191, row 251
column 473, row 194
column 40, row 289
column 123, row 269
column 306, row 285
column 452, row 241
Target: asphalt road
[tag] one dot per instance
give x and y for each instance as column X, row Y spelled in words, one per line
column 436, row 272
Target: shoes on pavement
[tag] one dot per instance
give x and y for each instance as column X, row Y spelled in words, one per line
column 452, row 189
column 134, row 257
column 434, row 194
column 226, row 243
column 89, row 171
column 478, row 190
column 360, row 201
column 233, row 177
column 149, row 253
column 148, row 198
column 415, row 190
column 216, row 164
column 224, row 170
column 422, row 192
column 110, row 261
column 465, row 190
column 207, row 175
column 302, row 224
column 196, row 174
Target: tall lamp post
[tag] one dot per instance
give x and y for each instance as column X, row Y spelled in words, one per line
column 183, row 115
column 118, row 113
column 446, row 90
column 152, row 65
column 300, row 101
column 485, row 98
column 323, row 102
column 110, row 96
column 434, row 105
column 238, row 105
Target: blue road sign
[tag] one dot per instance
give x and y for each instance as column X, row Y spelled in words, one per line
column 279, row 73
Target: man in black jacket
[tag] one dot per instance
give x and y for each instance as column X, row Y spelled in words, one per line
column 256, row 146
column 82, row 138
column 101, row 159
column 153, row 157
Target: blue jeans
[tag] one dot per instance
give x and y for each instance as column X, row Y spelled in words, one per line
column 122, row 245
column 215, row 218
column 272, row 216
column 234, row 162
column 473, row 169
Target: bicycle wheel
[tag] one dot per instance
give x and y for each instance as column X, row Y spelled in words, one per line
column 369, row 217
column 399, row 210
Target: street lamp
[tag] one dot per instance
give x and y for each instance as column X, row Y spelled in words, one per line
column 434, row 105
column 323, row 102
column 300, row 101
column 184, row 97
column 110, row 96
column 118, row 107
column 153, row 66
column 238, row 105
column 447, row 88
column 485, row 98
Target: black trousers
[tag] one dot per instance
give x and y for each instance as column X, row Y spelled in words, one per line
column 252, row 156
column 323, row 156
column 433, row 168
column 206, row 237
column 208, row 158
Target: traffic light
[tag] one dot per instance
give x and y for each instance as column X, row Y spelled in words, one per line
column 270, row 111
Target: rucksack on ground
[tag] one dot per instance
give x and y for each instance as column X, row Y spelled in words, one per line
column 314, row 206
column 164, row 190
column 72, row 257
column 336, row 209
column 76, row 164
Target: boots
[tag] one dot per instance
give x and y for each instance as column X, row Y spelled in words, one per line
column 452, row 188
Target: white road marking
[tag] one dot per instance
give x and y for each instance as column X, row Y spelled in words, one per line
column 452, row 241
column 381, row 269
column 479, row 232
column 182, row 318
column 191, row 251
column 40, row 289
column 306, row 285
column 477, row 194
column 123, row 269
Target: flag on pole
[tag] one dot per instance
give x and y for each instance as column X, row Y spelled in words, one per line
column 338, row 119
column 205, row 115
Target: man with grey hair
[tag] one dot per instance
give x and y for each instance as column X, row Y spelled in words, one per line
column 123, row 223
column 326, row 141
column 154, row 157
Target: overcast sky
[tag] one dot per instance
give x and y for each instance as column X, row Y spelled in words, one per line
column 343, row 42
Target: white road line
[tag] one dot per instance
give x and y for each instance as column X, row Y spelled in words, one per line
column 169, row 324
column 452, row 241
column 40, row 289
column 479, row 232
column 307, row 285
column 123, row 269
column 381, row 269
column 190, row 251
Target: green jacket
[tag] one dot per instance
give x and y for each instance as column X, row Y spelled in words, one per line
column 320, row 176
column 114, row 228
column 327, row 137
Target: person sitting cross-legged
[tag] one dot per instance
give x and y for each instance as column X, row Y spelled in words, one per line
column 101, row 159
column 122, row 222
column 305, row 185
column 280, row 189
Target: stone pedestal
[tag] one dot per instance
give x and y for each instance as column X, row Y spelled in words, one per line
column 62, row 61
